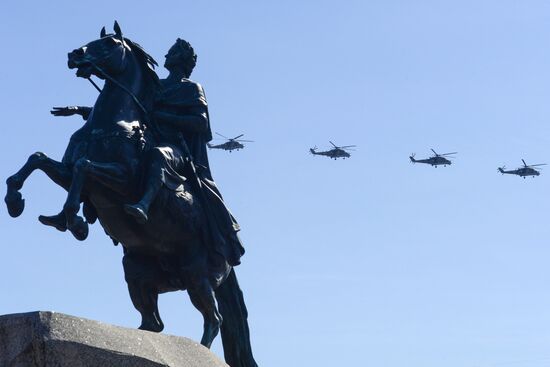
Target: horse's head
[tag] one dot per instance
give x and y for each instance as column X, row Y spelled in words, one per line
column 119, row 60
column 108, row 54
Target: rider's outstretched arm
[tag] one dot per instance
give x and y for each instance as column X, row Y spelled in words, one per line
column 72, row 110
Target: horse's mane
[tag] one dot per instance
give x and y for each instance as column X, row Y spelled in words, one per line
column 148, row 64
column 147, row 60
column 143, row 56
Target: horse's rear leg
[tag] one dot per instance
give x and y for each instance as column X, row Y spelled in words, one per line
column 111, row 175
column 56, row 171
column 203, row 298
column 143, row 278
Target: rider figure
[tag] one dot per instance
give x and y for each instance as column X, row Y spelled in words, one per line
column 181, row 117
column 182, row 125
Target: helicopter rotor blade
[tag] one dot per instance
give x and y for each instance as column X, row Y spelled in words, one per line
column 535, row 165
column 448, row 153
column 236, row 137
column 348, row 146
column 434, row 152
column 245, row 141
column 525, row 164
column 223, row 136
column 334, row 145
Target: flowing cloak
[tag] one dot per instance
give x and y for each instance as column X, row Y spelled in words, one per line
column 187, row 98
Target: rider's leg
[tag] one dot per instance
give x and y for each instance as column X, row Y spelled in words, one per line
column 152, row 186
column 56, row 171
column 203, row 298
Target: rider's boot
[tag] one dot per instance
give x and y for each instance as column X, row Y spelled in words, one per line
column 58, row 221
column 141, row 209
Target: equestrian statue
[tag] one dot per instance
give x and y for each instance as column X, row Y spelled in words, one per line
column 139, row 166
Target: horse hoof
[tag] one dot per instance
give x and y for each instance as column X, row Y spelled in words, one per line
column 153, row 327
column 79, row 229
column 15, row 203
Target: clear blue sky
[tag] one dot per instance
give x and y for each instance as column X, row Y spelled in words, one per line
column 364, row 262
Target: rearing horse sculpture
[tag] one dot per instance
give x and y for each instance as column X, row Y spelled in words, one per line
column 168, row 252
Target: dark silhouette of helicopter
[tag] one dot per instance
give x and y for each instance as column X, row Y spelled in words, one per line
column 526, row 170
column 231, row 144
column 334, row 153
column 436, row 160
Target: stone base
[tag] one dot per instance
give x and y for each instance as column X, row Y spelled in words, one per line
column 49, row 339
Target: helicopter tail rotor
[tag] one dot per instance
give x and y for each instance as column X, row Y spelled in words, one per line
column 501, row 169
column 313, row 150
column 411, row 157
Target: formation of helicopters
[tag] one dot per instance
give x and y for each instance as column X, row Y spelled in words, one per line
column 445, row 160
column 344, row 152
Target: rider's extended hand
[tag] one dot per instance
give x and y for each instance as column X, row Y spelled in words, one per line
column 64, row 111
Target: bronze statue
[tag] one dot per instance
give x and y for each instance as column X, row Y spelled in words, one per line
column 139, row 165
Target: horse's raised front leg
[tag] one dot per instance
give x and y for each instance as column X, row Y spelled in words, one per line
column 203, row 298
column 113, row 176
column 57, row 171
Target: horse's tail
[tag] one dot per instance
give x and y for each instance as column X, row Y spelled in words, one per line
column 235, row 333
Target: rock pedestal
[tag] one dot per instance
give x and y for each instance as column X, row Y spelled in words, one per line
column 49, row 339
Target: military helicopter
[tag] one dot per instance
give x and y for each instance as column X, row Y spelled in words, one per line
column 526, row 170
column 334, row 153
column 436, row 160
column 231, row 144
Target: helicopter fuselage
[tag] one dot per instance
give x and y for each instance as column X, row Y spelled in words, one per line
column 522, row 172
column 433, row 161
column 333, row 153
column 230, row 146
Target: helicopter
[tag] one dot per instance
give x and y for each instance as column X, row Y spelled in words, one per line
column 526, row 170
column 231, row 144
column 436, row 160
column 334, row 153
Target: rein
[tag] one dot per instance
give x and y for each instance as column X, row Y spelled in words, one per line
column 94, row 84
column 123, row 87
